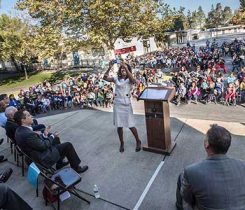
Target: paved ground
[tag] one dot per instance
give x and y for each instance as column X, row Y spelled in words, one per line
column 123, row 178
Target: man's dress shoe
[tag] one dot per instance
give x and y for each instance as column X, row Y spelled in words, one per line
column 80, row 169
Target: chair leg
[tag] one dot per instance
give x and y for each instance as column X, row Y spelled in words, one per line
column 16, row 157
column 23, row 165
column 37, row 188
column 11, row 147
column 74, row 192
column 58, row 201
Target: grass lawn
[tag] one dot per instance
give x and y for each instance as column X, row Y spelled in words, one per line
column 14, row 84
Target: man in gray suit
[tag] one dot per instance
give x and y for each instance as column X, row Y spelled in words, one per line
column 215, row 183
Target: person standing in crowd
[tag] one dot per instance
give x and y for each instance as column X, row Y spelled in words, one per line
column 215, row 183
column 122, row 108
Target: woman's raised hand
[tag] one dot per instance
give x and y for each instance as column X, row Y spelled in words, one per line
column 123, row 64
column 110, row 64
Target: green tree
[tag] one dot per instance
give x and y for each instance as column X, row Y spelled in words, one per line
column 226, row 15
column 180, row 20
column 101, row 21
column 15, row 42
column 239, row 16
column 218, row 16
column 242, row 5
column 201, row 18
column 164, row 22
column 189, row 19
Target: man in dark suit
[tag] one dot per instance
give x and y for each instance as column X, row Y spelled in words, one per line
column 11, row 127
column 215, row 183
column 41, row 151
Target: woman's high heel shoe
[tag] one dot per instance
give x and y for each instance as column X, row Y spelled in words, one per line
column 121, row 149
column 138, row 147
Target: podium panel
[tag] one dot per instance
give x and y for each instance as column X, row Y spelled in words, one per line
column 157, row 118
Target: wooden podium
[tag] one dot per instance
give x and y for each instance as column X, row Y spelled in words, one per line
column 156, row 101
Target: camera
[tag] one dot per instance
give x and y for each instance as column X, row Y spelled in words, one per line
column 116, row 61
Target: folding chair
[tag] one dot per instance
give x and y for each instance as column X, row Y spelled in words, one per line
column 26, row 158
column 11, row 144
column 64, row 179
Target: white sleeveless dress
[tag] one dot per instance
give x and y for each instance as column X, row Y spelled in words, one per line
column 122, row 108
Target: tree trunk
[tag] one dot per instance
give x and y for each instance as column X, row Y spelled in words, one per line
column 15, row 64
column 26, row 75
column 23, row 67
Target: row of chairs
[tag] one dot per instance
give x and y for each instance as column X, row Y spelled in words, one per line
column 56, row 182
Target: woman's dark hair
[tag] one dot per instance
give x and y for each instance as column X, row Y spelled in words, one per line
column 18, row 116
column 119, row 73
column 219, row 139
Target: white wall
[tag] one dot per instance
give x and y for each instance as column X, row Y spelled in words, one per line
column 120, row 43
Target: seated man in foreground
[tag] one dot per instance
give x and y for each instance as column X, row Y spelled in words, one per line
column 217, row 182
column 43, row 151
column 8, row 198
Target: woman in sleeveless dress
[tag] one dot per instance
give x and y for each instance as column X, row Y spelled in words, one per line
column 122, row 107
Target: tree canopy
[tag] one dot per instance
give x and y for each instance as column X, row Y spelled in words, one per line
column 101, row 21
column 239, row 17
column 69, row 25
column 14, row 39
column 219, row 16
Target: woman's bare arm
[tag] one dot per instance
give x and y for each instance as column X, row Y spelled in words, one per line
column 106, row 75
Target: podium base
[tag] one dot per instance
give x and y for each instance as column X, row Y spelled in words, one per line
column 159, row 150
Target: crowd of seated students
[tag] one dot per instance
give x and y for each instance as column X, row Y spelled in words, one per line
column 198, row 74
column 190, row 55
column 87, row 90
column 207, row 86
column 207, row 79
column 204, row 67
